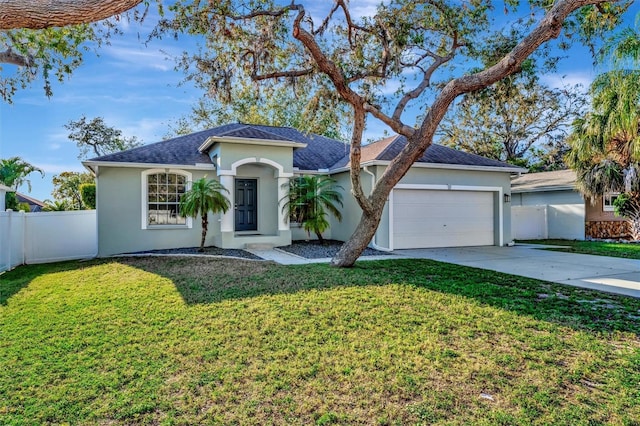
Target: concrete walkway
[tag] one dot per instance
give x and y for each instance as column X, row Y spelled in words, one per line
column 610, row 274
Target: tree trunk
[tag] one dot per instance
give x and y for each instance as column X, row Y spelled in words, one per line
column 320, row 239
column 353, row 248
column 634, row 228
column 420, row 139
column 205, row 225
column 38, row 14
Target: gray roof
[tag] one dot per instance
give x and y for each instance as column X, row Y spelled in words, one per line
column 22, row 198
column 558, row 180
column 320, row 153
column 387, row 149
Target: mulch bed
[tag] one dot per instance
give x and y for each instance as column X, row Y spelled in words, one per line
column 308, row 249
column 328, row 248
column 212, row 251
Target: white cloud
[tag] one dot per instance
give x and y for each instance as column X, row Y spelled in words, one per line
column 570, row 79
column 54, row 146
column 362, row 8
column 146, row 129
column 56, row 168
column 138, row 56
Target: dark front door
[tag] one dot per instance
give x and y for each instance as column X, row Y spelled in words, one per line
column 246, row 205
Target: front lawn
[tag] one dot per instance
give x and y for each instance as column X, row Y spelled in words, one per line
column 198, row 341
column 599, row 248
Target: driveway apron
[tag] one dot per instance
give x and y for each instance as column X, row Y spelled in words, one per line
column 610, row 274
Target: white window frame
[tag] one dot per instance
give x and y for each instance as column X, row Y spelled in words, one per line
column 145, row 198
column 608, row 206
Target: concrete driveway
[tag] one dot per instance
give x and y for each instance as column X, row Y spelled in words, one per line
column 610, row 274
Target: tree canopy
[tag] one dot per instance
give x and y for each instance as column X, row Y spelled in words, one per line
column 95, row 138
column 280, row 106
column 49, row 40
column 36, row 14
column 425, row 49
column 66, row 188
column 518, row 120
column 14, row 172
column 605, row 143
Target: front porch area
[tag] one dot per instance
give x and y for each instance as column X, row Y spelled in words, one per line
column 258, row 189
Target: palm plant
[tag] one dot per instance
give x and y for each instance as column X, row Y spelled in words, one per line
column 56, row 206
column 204, row 196
column 14, row 172
column 605, row 144
column 309, row 200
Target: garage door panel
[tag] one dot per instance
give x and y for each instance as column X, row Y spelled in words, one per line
column 427, row 218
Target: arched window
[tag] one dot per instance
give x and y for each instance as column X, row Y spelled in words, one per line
column 162, row 191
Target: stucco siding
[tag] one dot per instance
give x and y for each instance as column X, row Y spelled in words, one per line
column 119, row 212
column 422, row 176
column 351, row 211
column 229, row 153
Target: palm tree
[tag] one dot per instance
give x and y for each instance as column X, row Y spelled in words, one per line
column 309, row 200
column 14, row 172
column 204, row 196
column 56, row 206
column 605, row 144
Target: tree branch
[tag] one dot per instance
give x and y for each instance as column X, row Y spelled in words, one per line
column 548, row 28
column 39, row 14
column 280, row 74
column 10, row 57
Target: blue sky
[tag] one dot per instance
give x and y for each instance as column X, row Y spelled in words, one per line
column 135, row 88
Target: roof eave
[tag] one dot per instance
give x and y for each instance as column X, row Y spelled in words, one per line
column 198, row 166
column 544, row 189
column 439, row 166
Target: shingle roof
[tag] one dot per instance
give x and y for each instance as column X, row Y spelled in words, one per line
column 545, row 181
column 36, row 205
column 387, row 149
column 320, row 153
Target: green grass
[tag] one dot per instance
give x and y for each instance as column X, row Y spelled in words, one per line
column 625, row 250
column 192, row 341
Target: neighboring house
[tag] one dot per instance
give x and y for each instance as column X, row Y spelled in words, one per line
column 548, row 205
column 3, row 192
column 34, row 205
column 448, row 198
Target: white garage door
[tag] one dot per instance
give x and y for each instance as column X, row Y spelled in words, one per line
column 425, row 218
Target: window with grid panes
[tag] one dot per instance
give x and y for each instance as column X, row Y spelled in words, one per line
column 164, row 191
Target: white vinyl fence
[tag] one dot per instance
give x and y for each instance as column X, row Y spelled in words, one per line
column 42, row 237
column 561, row 221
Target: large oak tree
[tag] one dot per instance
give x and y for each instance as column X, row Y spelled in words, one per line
column 424, row 47
column 48, row 39
column 39, row 14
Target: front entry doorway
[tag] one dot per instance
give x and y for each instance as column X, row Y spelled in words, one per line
column 246, row 206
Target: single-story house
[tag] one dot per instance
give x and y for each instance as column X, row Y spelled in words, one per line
column 3, row 192
column 448, row 198
column 34, row 205
column 548, row 205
